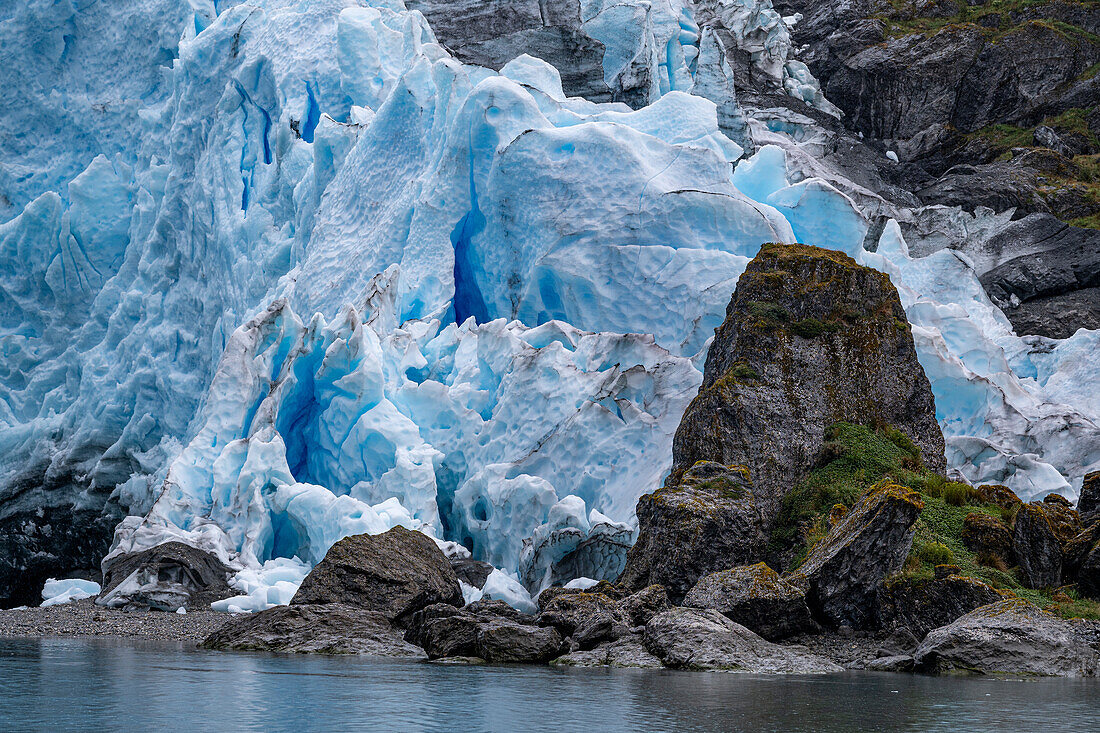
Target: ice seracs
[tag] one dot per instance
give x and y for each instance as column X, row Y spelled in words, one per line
column 341, row 282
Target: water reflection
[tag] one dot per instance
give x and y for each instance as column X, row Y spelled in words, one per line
column 59, row 684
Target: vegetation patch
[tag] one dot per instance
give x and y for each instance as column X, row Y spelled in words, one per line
column 857, row 457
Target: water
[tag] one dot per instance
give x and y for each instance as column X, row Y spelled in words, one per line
column 67, row 684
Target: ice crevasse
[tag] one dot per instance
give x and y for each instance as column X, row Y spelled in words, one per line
column 345, row 282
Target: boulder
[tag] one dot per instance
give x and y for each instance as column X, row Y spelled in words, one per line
column 810, row 339
column 687, row 638
column 167, row 577
column 1081, row 561
column 998, row 495
column 1088, row 503
column 492, row 631
column 988, row 538
column 918, row 606
column 755, row 597
column 626, row 652
column 640, row 607
column 1011, row 637
column 845, row 569
column 1036, row 546
column 333, row 628
column 395, row 573
column 705, row 521
column 590, row 618
column 508, row 641
column 471, row 572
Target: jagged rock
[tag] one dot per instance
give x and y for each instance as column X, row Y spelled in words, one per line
column 470, row 571
column 166, row 577
column 1088, row 503
column 1053, row 288
column 998, row 186
column 640, row 607
column 998, row 495
column 755, row 597
column 395, row 573
column 845, row 570
column 442, row 630
column 1081, row 561
column 988, row 538
column 810, row 339
column 918, row 606
column 333, row 628
column 590, row 618
column 1037, row 548
column 1010, row 637
column 686, row 638
column 628, row 651
column 492, row 631
column 894, row 663
column 705, row 521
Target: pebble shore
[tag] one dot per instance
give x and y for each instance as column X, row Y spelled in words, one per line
column 84, row 618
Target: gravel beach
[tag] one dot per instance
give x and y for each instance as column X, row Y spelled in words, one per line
column 84, row 618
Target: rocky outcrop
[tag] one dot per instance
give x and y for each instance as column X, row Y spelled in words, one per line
column 989, row 539
column 1088, row 503
column 1011, row 637
column 332, row 628
column 471, row 572
column 628, row 652
column 705, row 521
column 757, row 598
column 685, row 638
column 166, row 577
column 918, row 606
column 1081, row 561
column 485, row 630
column 1040, row 533
column 845, row 570
column 394, row 573
column 810, row 339
column 491, row 33
column 590, row 618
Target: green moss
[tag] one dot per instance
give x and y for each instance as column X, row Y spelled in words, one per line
column 769, row 312
column 743, row 371
column 935, row 553
column 809, row 328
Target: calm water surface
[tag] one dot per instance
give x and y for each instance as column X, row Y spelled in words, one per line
column 65, row 684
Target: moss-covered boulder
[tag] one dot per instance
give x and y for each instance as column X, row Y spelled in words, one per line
column 988, row 538
column 705, row 521
column 846, row 568
column 1013, row 637
column 1088, row 503
column 998, row 495
column 1081, row 561
column 810, row 339
column 756, row 597
column 918, row 605
column 1037, row 546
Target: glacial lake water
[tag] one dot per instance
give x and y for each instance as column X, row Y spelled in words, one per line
column 102, row 685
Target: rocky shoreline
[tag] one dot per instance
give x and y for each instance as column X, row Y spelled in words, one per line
column 83, row 618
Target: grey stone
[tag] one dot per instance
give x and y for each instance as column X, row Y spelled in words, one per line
column 1011, row 637
column 757, row 598
column 507, row 641
column 845, row 570
column 895, row 663
column 1037, row 549
column 166, row 577
column 918, row 606
column 395, row 573
column 625, row 652
column 333, row 628
column 685, row 638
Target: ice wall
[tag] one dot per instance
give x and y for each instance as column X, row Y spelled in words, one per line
column 345, row 282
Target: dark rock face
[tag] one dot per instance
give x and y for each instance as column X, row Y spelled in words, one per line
column 1054, row 289
column 40, row 538
column 1037, row 549
column 333, row 628
column 1088, row 504
column 1081, row 561
column 845, row 570
column 1011, row 637
column 918, row 606
column 810, row 339
column 588, row 617
column 395, row 573
column 640, row 607
column 704, row 522
column 491, row 33
column 470, row 571
column 757, row 598
column 166, row 578
column 988, row 537
column 686, row 638
column 492, row 632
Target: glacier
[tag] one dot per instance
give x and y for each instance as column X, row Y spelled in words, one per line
column 309, row 275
